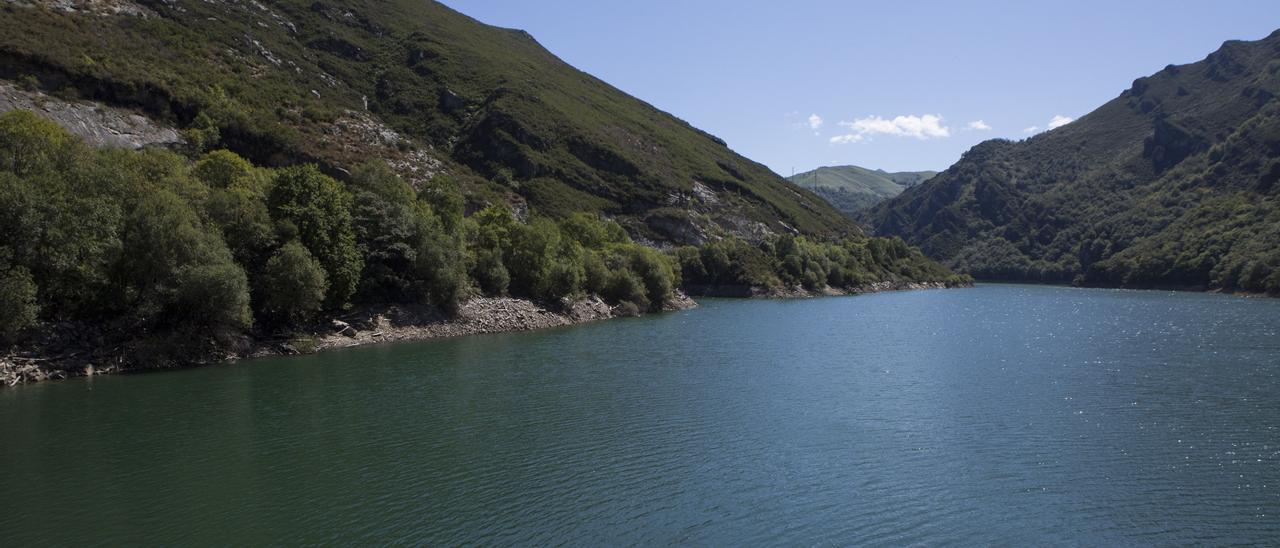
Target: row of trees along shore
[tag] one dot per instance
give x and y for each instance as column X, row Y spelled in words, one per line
column 191, row 253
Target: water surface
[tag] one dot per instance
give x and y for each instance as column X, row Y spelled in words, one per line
column 1000, row 414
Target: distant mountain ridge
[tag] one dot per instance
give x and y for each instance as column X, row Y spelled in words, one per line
column 1171, row 184
column 852, row 189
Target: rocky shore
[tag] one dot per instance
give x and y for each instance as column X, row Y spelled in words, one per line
column 386, row 324
column 475, row 317
column 373, row 325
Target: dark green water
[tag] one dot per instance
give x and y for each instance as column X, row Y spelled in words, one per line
column 1001, row 414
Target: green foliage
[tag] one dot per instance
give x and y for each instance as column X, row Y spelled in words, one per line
column 177, row 258
column 222, row 169
column 320, row 209
column 293, row 286
column 173, row 270
column 791, row 262
column 213, row 296
column 490, row 274
column 245, row 223
column 656, row 274
column 18, row 301
column 30, row 144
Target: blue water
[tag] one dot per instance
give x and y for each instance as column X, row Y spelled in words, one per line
column 996, row 415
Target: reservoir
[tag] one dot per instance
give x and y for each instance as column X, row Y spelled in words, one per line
column 1000, row 414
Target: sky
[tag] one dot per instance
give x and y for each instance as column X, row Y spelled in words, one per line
column 901, row 86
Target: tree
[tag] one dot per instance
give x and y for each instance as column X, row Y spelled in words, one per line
column 490, row 274
column 321, row 212
column 222, row 169
column 655, row 272
column 292, row 287
column 214, row 297
column 29, row 143
column 245, row 224
column 175, row 271
column 18, row 301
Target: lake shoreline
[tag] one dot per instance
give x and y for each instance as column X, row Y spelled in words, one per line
column 1166, row 288
column 405, row 323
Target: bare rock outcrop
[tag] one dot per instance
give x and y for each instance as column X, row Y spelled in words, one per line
column 98, row 125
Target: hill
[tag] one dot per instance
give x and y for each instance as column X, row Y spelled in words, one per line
column 186, row 182
column 414, row 82
column 1170, row 184
column 852, row 189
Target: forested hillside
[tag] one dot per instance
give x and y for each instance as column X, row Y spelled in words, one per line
column 153, row 257
column 1171, row 184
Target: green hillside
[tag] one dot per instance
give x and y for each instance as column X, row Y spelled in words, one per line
column 412, row 81
column 1170, row 184
column 852, row 189
column 483, row 167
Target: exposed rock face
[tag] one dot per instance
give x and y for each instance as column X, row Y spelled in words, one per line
column 96, row 124
column 95, row 7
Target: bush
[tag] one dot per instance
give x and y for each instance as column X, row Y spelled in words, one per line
column 292, row 287
column 222, row 169
column 439, row 269
column 626, row 287
column 18, row 301
column 245, row 224
column 489, row 272
column 31, row 144
column 595, row 273
column 321, row 212
column 213, row 297
column 655, row 272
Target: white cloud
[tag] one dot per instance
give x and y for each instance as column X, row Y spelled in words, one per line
column 979, row 125
column 1056, row 122
column 1059, row 121
column 845, row 139
column 815, row 122
column 928, row 126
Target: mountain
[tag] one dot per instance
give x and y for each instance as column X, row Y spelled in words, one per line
column 411, row 81
column 852, row 189
column 185, row 181
column 1171, row 184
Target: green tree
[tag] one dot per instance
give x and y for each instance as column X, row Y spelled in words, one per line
column 292, row 287
column 18, row 301
column 214, row 297
column 29, row 143
column 222, row 169
column 174, row 271
column 320, row 210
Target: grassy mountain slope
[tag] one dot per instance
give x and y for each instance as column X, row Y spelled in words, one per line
column 852, row 189
column 1170, row 184
column 416, row 83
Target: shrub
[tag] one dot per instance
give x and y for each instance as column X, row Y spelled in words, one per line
column 18, row 301
column 626, row 287
column 321, row 211
column 29, row 143
column 222, row 169
column 655, row 272
column 489, row 272
column 213, row 297
column 292, row 287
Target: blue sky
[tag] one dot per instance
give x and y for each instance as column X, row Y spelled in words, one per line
column 896, row 85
